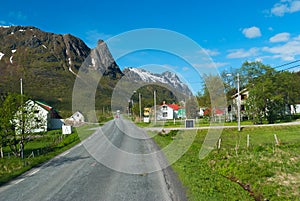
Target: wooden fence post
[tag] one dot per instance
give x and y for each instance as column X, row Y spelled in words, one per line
column 276, row 139
column 219, row 143
column 248, row 141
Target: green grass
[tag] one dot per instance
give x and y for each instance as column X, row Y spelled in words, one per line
column 40, row 150
column 181, row 123
column 271, row 171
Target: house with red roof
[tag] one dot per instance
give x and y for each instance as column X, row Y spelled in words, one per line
column 170, row 111
column 42, row 117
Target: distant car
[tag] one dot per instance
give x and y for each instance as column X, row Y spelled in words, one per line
column 117, row 114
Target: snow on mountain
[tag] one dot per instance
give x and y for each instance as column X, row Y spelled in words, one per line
column 167, row 78
column 1, row 55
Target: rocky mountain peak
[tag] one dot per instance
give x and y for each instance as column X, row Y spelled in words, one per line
column 167, row 78
column 47, row 62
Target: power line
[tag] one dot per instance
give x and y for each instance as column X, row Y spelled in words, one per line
column 291, row 67
column 286, row 64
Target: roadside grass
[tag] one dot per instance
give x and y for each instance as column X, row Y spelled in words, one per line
column 181, row 123
column 203, row 122
column 39, row 150
column 261, row 171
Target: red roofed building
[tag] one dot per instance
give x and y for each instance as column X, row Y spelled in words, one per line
column 42, row 117
column 217, row 111
column 167, row 111
column 174, row 106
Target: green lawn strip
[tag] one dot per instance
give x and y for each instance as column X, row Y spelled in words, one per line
column 198, row 123
column 262, row 170
column 40, row 150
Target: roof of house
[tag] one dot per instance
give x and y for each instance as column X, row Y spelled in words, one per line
column 53, row 112
column 217, row 111
column 174, row 106
column 44, row 105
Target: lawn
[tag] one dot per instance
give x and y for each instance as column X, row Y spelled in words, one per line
column 39, row 150
column 262, row 170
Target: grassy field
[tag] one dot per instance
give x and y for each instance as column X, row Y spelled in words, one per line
column 181, row 123
column 39, row 150
column 261, row 171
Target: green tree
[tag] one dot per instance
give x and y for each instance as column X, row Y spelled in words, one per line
column 18, row 119
column 270, row 92
column 191, row 108
column 7, row 127
column 213, row 95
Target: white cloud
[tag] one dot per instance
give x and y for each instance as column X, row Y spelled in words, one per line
column 285, row 6
column 297, row 38
column 210, row 65
column 287, row 51
column 295, row 6
column 279, row 9
column 259, row 59
column 252, row 32
column 212, row 52
column 281, row 37
column 221, row 64
column 185, row 68
column 242, row 53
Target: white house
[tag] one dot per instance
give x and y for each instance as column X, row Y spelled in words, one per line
column 40, row 117
column 167, row 111
column 76, row 119
column 295, row 109
column 232, row 106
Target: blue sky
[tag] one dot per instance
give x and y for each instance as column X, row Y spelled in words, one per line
column 230, row 31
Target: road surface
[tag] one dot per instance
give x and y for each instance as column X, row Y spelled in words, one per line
column 77, row 175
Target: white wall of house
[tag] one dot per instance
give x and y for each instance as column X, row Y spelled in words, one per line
column 295, row 109
column 76, row 119
column 166, row 112
column 39, row 119
column 77, row 116
column 36, row 118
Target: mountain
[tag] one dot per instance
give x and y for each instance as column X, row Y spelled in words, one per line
column 48, row 64
column 167, row 78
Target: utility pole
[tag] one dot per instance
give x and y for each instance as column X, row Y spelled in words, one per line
column 21, row 83
column 155, row 106
column 140, row 106
column 22, row 122
column 239, row 102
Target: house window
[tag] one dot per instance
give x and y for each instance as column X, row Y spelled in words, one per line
column 37, row 120
column 229, row 108
column 164, row 107
column 165, row 114
column 243, row 97
column 36, row 111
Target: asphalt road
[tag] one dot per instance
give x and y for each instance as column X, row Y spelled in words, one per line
column 78, row 175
